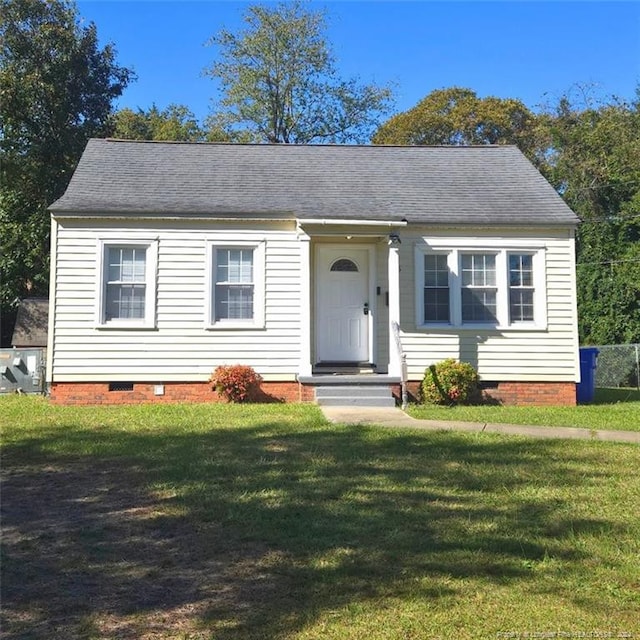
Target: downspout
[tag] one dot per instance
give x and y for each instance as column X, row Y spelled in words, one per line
column 52, row 306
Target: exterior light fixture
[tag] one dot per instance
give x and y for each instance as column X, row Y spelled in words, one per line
column 394, row 238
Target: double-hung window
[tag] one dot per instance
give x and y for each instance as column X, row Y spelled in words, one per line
column 436, row 288
column 493, row 286
column 521, row 288
column 234, row 284
column 126, row 287
column 236, row 289
column 479, row 290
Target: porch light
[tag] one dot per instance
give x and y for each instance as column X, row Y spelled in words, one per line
column 394, row 238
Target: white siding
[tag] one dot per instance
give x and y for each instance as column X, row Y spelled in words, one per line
column 508, row 354
column 180, row 348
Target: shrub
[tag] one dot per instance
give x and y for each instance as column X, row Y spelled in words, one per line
column 450, row 382
column 237, row 383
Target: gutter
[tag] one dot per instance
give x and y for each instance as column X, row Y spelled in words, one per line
column 68, row 215
column 341, row 222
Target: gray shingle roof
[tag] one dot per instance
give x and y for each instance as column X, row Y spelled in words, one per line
column 462, row 185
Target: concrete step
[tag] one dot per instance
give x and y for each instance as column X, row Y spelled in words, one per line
column 353, row 390
column 343, row 371
column 362, row 401
column 360, row 395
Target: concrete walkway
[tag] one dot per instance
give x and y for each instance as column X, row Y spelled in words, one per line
column 395, row 417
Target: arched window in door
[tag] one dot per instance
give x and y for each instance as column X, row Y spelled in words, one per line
column 344, row 264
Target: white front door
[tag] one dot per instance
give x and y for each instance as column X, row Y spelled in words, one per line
column 343, row 307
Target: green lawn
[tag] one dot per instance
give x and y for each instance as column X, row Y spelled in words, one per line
column 223, row 522
column 611, row 409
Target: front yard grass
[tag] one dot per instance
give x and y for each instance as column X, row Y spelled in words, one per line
column 223, row 522
column 612, row 409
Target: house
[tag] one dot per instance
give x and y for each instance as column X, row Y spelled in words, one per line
column 169, row 259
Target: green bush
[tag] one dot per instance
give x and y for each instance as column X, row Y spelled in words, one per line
column 450, row 382
column 237, row 383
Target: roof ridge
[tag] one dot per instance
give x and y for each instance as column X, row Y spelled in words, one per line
column 206, row 143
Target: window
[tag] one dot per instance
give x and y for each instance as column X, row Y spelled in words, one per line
column 493, row 287
column 478, row 287
column 237, row 283
column 436, row 288
column 521, row 290
column 126, row 283
column 126, row 295
column 234, row 284
column 344, row 264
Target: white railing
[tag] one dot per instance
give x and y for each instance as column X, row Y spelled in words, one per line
column 402, row 357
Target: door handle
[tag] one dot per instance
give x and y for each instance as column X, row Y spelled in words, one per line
column 366, row 309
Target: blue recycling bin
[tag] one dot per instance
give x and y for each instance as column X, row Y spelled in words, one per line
column 586, row 388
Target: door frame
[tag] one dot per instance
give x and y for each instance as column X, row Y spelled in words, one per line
column 371, row 288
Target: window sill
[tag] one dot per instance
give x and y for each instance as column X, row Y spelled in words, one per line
column 450, row 328
column 224, row 326
column 118, row 326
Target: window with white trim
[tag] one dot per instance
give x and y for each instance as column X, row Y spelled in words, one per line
column 436, row 288
column 126, row 296
column 521, row 288
column 491, row 287
column 479, row 289
column 234, row 284
column 236, row 289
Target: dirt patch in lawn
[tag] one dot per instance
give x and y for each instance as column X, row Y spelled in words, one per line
column 88, row 552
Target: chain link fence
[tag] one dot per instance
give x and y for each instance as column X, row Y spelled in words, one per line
column 618, row 366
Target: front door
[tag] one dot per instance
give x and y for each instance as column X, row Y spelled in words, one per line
column 343, row 309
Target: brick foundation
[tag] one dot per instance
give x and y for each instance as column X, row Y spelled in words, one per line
column 534, row 393
column 517, row 393
column 508, row 393
column 88, row 393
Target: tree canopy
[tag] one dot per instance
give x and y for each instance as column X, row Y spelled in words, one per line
column 458, row 116
column 591, row 154
column 176, row 122
column 594, row 162
column 279, row 82
column 57, row 86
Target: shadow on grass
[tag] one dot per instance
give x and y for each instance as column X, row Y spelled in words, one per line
column 253, row 532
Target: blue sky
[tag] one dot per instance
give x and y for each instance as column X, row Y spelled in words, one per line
column 533, row 51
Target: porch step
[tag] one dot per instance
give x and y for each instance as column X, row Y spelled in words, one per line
column 344, row 369
column 354, row 395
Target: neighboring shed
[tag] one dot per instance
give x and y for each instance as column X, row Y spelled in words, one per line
column 31, row 325
column 22, row 367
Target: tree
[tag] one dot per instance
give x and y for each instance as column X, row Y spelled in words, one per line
column 279, row 82
column 594, row 162
column 56, row 88
column 176, row 122
column 458, row 116
column 591, row 154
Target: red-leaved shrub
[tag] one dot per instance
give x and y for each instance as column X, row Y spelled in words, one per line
column 237, row 382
